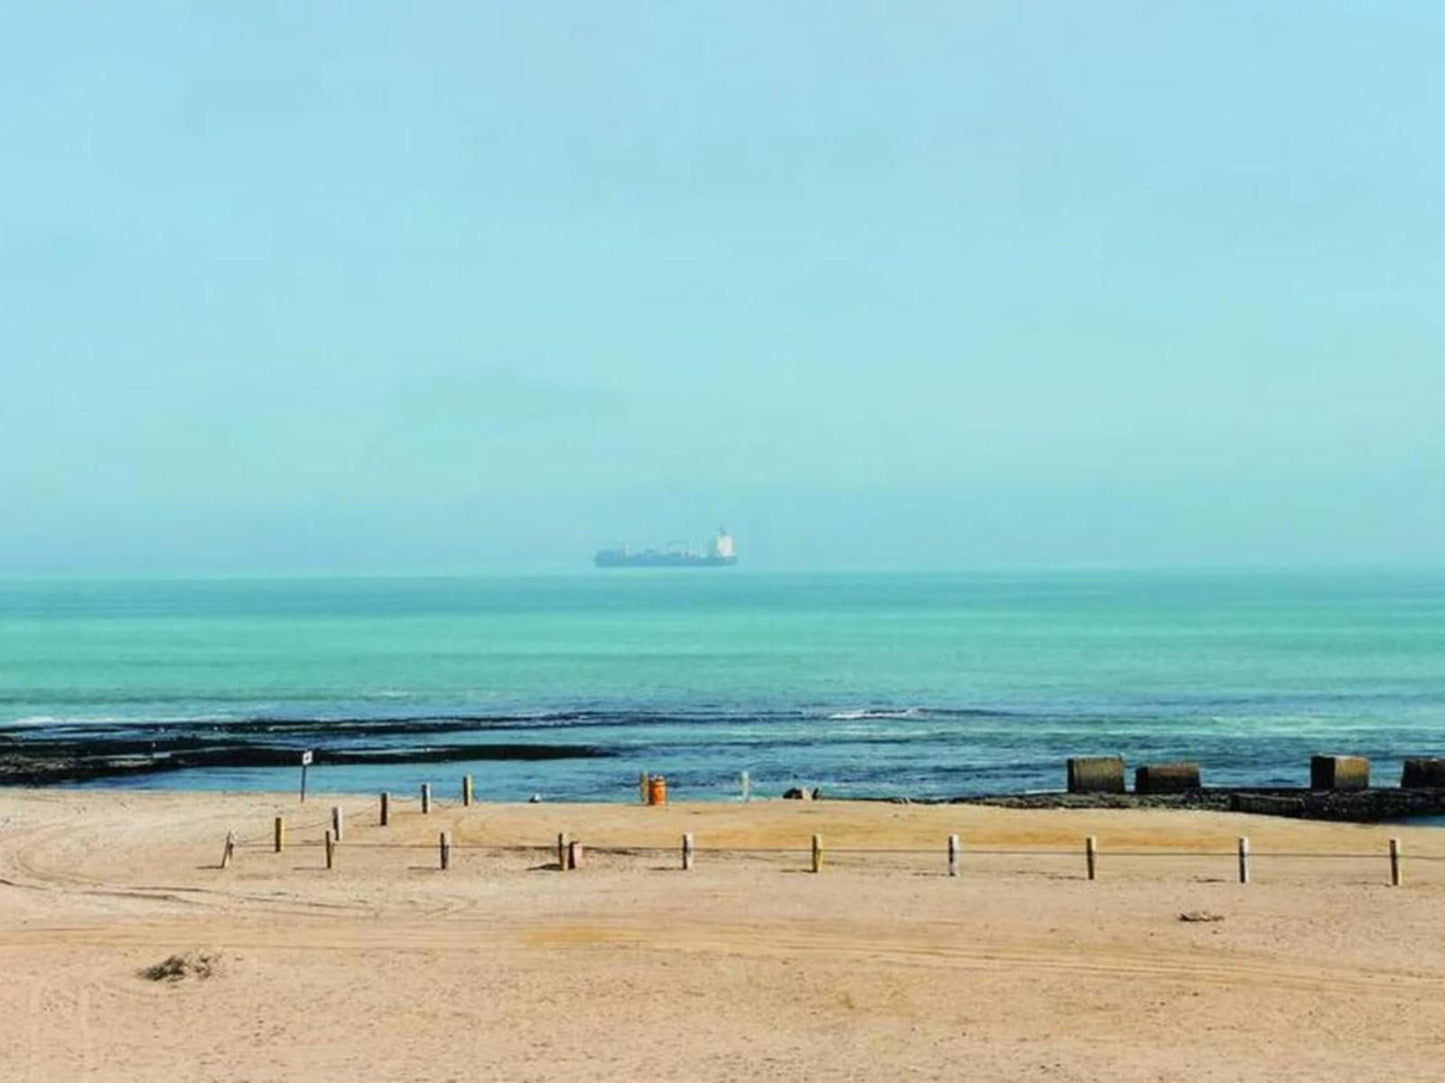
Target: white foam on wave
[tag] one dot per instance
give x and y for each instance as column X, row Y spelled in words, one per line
column 42, row 720
column 867, row 713
column 38, row 720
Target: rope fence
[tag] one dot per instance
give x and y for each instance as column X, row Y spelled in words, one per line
column 570, row 852
column 624, row 850
column 954, row 857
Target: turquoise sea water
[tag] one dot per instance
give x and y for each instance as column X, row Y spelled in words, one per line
column 924, row 685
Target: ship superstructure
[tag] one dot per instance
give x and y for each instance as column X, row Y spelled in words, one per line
column 720, row 554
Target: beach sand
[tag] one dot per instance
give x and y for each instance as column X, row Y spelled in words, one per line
column 747, row 967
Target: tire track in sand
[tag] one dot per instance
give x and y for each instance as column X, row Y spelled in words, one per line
column 942, row 947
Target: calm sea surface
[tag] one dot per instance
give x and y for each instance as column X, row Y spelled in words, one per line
column 923, row 685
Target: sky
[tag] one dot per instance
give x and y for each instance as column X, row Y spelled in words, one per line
column 458, row 286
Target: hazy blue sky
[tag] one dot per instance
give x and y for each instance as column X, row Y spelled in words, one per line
column 468, row 285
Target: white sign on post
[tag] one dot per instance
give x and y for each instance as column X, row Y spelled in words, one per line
column 306, row 759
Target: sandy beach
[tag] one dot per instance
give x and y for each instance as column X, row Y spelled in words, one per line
column 747, row 967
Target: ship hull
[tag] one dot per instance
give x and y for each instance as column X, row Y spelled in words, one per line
column 612, row 559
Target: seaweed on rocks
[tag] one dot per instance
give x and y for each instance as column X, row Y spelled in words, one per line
column 39, row 761
column 1350, row 806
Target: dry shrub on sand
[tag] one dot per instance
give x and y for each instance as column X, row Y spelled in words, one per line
column 192, row 964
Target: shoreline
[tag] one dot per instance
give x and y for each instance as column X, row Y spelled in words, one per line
column 80, row 762
column 85, row 756
column 1367, row 806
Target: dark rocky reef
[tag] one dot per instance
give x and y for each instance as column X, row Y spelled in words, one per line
column 1351, row 806
column 30, row 760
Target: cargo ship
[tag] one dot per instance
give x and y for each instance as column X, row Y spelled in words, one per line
column 720, row 554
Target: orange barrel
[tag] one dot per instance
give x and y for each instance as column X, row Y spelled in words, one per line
column 656, row 790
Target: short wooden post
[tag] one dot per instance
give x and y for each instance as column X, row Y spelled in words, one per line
column 1091, row 854
column 336, row 822
column 574, row 854
column 466, row 790
column 1395, row 863
column 330, row 850
column 563, row 841
column 230, row 850
column 817, row 853
column 1243, row 860
column 642, row 787
column 952, row 855
column 425, row 798
column 746, row 782
column 687, row 851
column 444, row 844
column 280, row 833
column 385, row 808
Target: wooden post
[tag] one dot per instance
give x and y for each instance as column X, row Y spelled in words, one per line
column 1091, row 854
column 466, row 790
column 1395, row 863
column 817, row 853
column 425, row 798
column 687, row 851
column 280, row 833
column 574, row 854
column 336, row 822
column 330, row 849
column 563, row 841
column 1243, row 860
column 230, row 849
column 385, row 808
column 444, row 843
column 642, row 787
column 952, row 855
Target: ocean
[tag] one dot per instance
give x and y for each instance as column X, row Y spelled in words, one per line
column 886, row 685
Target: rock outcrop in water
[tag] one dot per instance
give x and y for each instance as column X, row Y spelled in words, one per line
column 92, row 754
column 1353, row 806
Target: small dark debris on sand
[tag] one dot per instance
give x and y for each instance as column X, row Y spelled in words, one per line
column 193, row 964
column 1200, row 915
